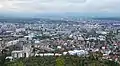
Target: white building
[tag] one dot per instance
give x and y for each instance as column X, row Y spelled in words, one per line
column 19, row 54
column 78, row 52
column 12, row 42
column 20, row 29
column 22, row 53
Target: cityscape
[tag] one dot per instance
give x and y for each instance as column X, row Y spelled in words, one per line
column 48, row 37
column 75, row 33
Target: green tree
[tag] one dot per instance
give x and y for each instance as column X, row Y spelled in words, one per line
column 16, row 63
column 60, row 61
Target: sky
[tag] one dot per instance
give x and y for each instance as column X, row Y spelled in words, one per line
column 57, row 6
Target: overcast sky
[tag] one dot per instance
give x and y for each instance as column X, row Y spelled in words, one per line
column 83, row 6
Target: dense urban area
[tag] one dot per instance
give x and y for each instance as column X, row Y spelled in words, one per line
column 59, row 42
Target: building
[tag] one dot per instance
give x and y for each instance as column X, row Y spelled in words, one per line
column 19, row 54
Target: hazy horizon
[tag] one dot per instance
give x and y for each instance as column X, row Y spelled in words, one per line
column 27, row 8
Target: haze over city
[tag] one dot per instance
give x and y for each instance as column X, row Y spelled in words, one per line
column 65, row 7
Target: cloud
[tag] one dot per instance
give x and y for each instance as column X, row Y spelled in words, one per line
column 60, row 5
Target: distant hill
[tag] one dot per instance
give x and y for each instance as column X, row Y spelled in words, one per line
column 109, row 18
